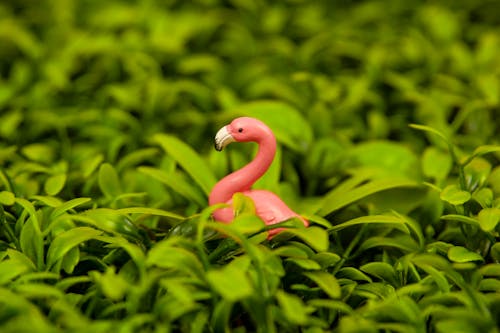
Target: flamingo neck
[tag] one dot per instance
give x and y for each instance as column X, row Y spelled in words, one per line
column 243, row 179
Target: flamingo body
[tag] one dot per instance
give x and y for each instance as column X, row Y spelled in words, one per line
column 269, row 207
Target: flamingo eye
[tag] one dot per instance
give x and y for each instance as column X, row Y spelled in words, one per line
column 240, row 129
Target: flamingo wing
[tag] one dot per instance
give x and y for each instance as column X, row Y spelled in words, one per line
column 270, row 208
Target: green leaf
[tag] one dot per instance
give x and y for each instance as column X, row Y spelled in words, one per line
column 375, row 290
column 438, row 277
column 430, row 130
column 381, row 270
column 460, row 254
column 48, row 201
column 166, row 254
column 290, row 251
column 495, row 251
column 460, row 218
column 455, row 325
column 243, row 204
column 68, row 205
column 404, row 243
column 326, row 259
column 355, row 324
column 7, row 198
column 292, row 307
column 315, row 237
column 436, row 164
column 109, row 182
column 304, row 263
column 55, row 184
column 188, row 159
column 67, row 240
column 387, row 157
column 221, row 316
column 38, row 290
column 488, row 218
column 483, row 197
column 38, row 152
column 90, row 165
column 10, row 269
column 70, row 260
column 372, row 219
column 136, row 157
column 135, row 252
column 490, row 270
column 354, row 274
column 176, row 183
column 476, row 173
column 149, row 211
column 327, row 282
column 487, row 285
column 248, row 224
column 454, row 195
column 231, row 283
column 31, row 240
column 339, row 306
column 21, row 257
column 317, row 220
column 481, row 150
column 113, row 285
column 333, row 201
column 110, row 221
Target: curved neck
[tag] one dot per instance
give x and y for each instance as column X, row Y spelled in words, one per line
column 243, row 179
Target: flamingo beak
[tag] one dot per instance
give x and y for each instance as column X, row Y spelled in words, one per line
column 223, row 138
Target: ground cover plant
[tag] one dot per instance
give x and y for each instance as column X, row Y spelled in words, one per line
column 386, row 115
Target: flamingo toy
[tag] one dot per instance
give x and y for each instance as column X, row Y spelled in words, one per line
column 269, row 207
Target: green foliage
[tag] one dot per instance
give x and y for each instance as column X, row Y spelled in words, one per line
column 386, row 115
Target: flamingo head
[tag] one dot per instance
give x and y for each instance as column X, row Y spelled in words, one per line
column 243, row 129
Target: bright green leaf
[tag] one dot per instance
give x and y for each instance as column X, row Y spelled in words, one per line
column 294, row 310
column 315, row 237
column 327, row 282
column 109, row 183
column 7, row 198
column 454, row 195
column 176, row 183
column 436, row 164
column 460, row 254
column 488, row 218
column 231, row 283
column 188, row 159
column 65, row 241
column 334, row 201
column 55, row 184
column 381, row 270
column 69, row 205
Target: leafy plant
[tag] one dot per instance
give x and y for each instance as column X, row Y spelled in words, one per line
column 386, row 119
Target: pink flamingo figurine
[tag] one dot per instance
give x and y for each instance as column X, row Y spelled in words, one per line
column 269, row 207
